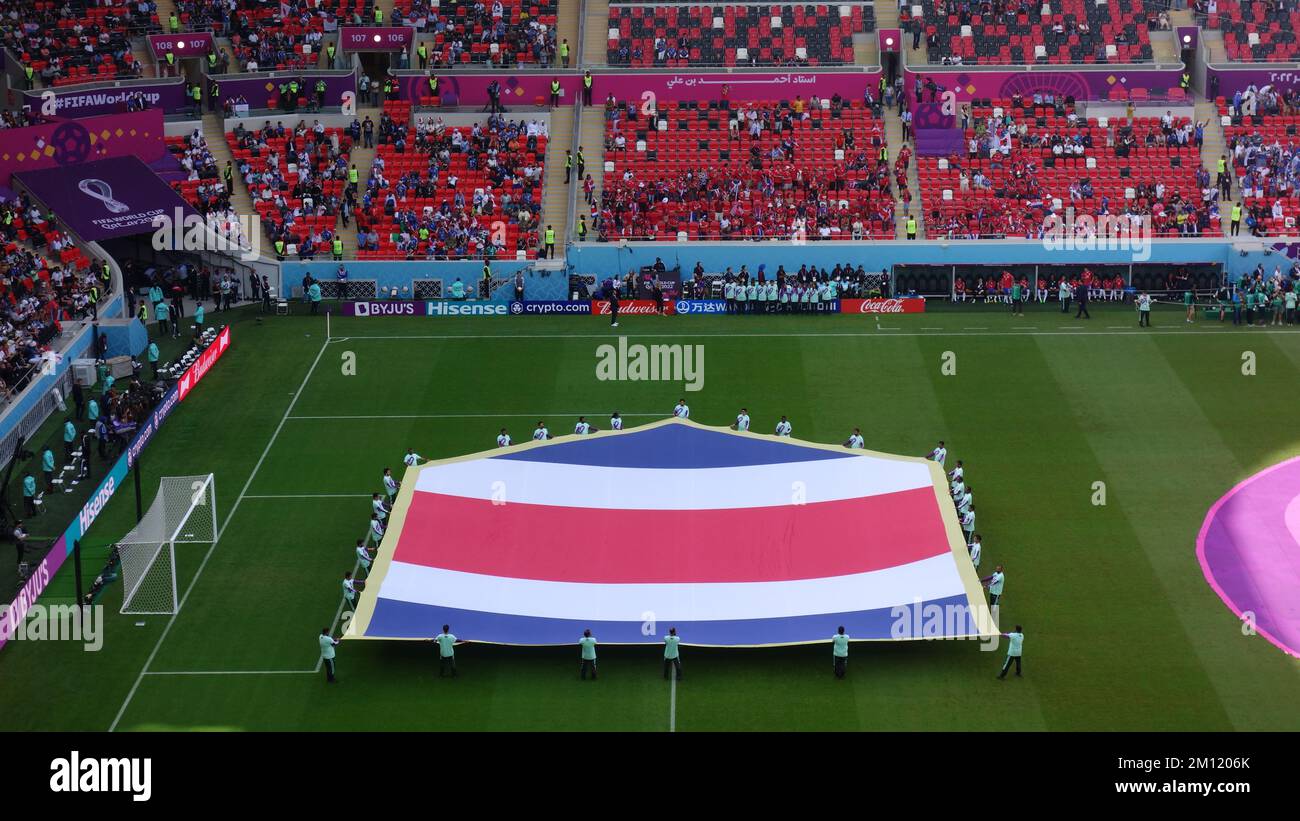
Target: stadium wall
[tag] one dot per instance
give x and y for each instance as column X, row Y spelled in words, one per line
column 389, row 274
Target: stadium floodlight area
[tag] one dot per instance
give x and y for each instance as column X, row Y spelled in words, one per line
column 184, row 511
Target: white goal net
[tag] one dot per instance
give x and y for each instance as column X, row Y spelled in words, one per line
column 184, row 511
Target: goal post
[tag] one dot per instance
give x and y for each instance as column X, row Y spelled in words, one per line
column 184, row 511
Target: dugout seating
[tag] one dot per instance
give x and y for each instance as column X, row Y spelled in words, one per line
column 1025, row 183
column 824, row 185
column 1072, row 31
column 457, row 34
column 1252, row 32
column 798, row 34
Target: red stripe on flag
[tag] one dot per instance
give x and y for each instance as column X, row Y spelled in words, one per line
column 602, row 546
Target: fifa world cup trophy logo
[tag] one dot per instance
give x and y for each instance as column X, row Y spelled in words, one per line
column 102, row 191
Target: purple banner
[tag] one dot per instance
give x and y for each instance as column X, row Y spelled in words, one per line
column 263, row 91
column 69, row 142
column 169, row 95
column 1232, row 80
column 534, row 89
column 391, row 38
column 185, row 44
column 1096, row 84
column 104, row 199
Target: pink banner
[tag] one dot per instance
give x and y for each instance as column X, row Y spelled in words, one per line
column 72, row 142
column 534, row 89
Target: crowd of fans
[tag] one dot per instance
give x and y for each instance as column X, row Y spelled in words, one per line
column 74, row 41
column 1263, row 142
column 801, row 169
column 499, row 32
column 439, row 191
column 38, row 290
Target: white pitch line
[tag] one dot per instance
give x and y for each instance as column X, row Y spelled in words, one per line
column 475, row 415
column 190, row 588
column 309, row 496
column 229, row 672
column 672, row 706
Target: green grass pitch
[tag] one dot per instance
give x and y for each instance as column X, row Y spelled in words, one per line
column 1122, row 630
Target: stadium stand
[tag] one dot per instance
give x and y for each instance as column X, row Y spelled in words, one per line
column 503, row 32
column 263, row 39
column 717, row 170
column 44, row 285
column 1263, row 140
column 75, row 42
column 1002, row 32
column 296, row 179
column 1023, row 161
column 453, row 191
column 1255, row 31
column 677, row 36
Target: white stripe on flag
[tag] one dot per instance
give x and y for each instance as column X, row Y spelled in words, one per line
column 546, row 483
column 927, row 579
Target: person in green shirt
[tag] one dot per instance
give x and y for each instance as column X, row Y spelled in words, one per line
column 446, row 642
column 313, row 293
column 29, row 495
column 198, row 317
column 587, row 652
column 1017, row 304
column 162, row 312
column 153, row 358
column 327, row 645
column 69, row 438
column 672, row 653
column 458, row 289
column 1189, row 302
column 47, row 466
column 1016, row 641
column 92, row 411
column 840, row 652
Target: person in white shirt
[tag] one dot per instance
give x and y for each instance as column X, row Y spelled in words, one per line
column 968, row 523
column 976, row 548
column 583, row 427
column 965, row 500
column 958, row 472
column 503, row 438
column 784, row 428
column 364, row 556
column 855, row 440
column 411, row 459
column 742, row 420
column 349, row 591
column 615, row 422
column 378, row 507
column 957, row 488
column 376, row 530
column 541, row 432
column 938, row 454
column 682, row 411
column 390, row 484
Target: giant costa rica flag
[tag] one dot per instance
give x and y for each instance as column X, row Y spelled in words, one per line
column 736, row 539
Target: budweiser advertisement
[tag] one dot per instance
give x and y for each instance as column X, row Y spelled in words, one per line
column 633, row 306
column 901, row 305
column 205, row 361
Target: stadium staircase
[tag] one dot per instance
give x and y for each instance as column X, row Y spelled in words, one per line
column 894, row 138
column 364, row 159
column 887, row 18
column 1213, row 146
column 216, row 137
column 140, row 51
column 568, row 18
column 555, row 208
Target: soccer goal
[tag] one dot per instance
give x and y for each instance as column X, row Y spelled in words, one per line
column 184, row 511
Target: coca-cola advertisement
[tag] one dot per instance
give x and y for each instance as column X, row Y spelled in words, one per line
column 903, row 305
column 632, row 306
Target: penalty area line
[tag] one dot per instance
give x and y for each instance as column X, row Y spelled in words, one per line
column 199, row 573
column 229, row 672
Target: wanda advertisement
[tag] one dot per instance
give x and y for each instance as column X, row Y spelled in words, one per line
column 627, row 307
column 903, row 305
